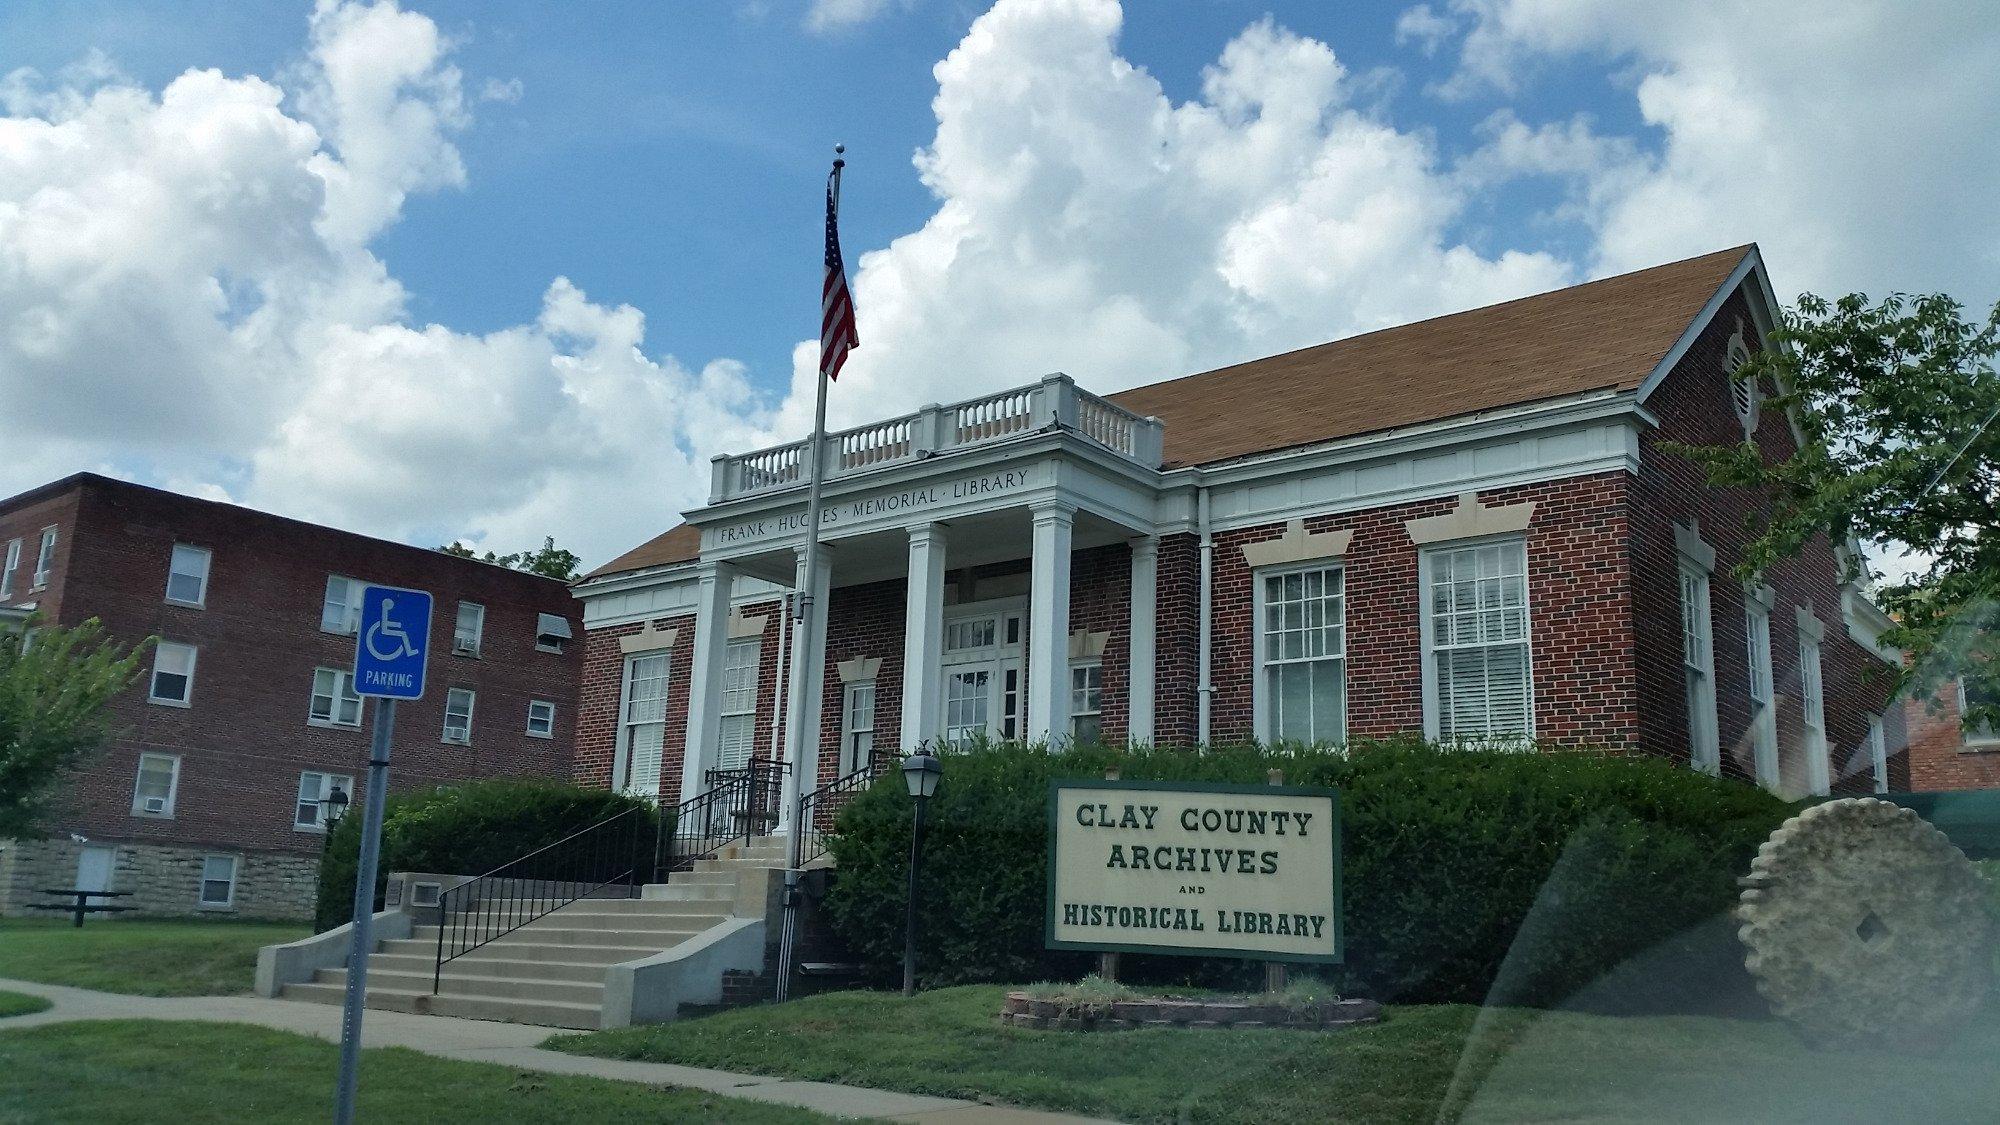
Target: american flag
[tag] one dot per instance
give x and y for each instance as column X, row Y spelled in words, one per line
column 836, row 305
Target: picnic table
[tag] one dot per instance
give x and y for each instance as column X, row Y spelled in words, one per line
column 82, row 905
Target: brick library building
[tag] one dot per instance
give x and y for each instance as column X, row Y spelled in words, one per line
column 1467, row 528
column 211, row 796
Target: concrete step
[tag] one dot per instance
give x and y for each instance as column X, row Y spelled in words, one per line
column 707, row 893
column 538, row 951
column 670, row 917
column 482, row 962
column 717, row 878
column 733, row 865
column 546, row 1013
column 657, row 937
column 458, row 981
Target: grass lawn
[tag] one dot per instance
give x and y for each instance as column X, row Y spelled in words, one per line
column 1421, row 1064
column 140, row 958
column 142, row 1072
column 18, row 1004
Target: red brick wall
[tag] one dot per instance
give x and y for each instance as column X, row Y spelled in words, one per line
column 863, row 621
column 24, row 522
column 604, row 683
column 1100, row 601
column 1177, row 642
column 245, row 739
column 1939, row 755
column 1694, row 406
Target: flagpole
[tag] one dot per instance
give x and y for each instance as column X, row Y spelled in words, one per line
column 795, row 738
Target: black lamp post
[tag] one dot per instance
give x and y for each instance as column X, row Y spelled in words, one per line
column 921, row 773
column 332, row 807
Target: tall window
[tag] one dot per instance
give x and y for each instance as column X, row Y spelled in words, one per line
column 218, row 880
column 1477, row 668
column 739, row 701
column 857, row 730
column 10, row 567
column 458, row 716
column 642, row 729
column 334, row 702
column 968, row 694
column 154, row 790
column 1878, row 754
column 541, row 719
column 1698, row 671
column 309, row 815
column 465, row 634
column 173, row 675
column 1812, row 709
column 1304, row 655
column 1763, row 717
column 187, row 575
column 341, row 611
column 45, row 558
column 1086, row 701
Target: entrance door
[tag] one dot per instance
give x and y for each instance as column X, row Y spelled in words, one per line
column 93, row 869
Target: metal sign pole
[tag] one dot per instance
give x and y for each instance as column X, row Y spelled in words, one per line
column 364, row 913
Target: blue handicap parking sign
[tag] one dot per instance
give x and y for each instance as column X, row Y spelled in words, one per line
column 393, row 641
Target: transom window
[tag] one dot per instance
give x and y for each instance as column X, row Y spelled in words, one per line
column 1086, row 701
column 187, row 575
column 1698, row 672
column 643, row 723
column 334, row 702
column 173, row 675
column 541, row 718
column 158, row 782
column 857, row 734
column 1477, row 665
column 1303, row 650
column 309, row 815
column 218, row 880
column 465, row 634
column 969, row 633
column 739, row 701
column 340, row 612
column 458, row 716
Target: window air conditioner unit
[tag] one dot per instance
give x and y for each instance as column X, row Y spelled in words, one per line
column 156, row 804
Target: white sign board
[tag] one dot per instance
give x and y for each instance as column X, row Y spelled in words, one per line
column 1168, row 867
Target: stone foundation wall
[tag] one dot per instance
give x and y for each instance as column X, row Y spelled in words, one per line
column 164, row 880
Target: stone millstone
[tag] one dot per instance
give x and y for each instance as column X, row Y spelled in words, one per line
column 1864, row 926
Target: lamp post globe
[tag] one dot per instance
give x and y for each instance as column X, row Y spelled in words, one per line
column 333, row 807
column 921, row 774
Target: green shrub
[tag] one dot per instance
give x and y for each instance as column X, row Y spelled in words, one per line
column 469, row 828
column 1450, row 856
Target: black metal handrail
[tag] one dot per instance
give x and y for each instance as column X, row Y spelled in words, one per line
column 735, row 804
column 818, row 808
column 582, row 864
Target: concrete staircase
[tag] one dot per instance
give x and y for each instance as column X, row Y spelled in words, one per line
column 554, row 970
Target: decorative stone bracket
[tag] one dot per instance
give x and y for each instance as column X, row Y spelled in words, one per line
column 649, row 639
column 859, row 669
column 1086, row 645
column 1297, row 545
column 1470, row 520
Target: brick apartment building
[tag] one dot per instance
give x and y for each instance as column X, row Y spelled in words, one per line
column 1467, row 527
column 244, row 716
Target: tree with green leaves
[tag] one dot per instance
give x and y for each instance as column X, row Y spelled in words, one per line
column 56, row 687
column 549, row 562
column 1897, row 401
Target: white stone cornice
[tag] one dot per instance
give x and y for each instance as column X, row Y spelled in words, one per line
column 1297, row 545
column 1470, row 520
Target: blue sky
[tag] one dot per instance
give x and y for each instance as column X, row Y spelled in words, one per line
column 578, row 243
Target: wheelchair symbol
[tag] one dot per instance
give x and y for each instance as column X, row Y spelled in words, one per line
column 388, row 630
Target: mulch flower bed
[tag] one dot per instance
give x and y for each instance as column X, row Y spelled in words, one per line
column 1022, row 1010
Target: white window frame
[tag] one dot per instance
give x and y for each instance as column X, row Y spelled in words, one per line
column 1812, row 712
column 228, row 901
column 342, row 679
column 621, row 772
column 464, row 642
column 1982, row 737
column 548, row 724
column 153, row 681
column 45, row 559
column 349, row 601
column 1878, row 754
column 1426, row 568
column 323, row 784
column 742, row 666
column 9, row 568
column 205, row 557
column 856, row 721
column 1761, row 686
column 1698, row 670
column 1265, row 701
column 451, row 697
column 1079, row 696
column 173, row 764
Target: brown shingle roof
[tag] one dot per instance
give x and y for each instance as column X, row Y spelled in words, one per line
column 1602, row 335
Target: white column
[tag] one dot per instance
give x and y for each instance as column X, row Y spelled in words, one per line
column 1145, row 614
column 704, row 706
column 808, row 676
column 923, row 637
column 1048, row 623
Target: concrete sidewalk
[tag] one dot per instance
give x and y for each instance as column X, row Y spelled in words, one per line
column 515, row 1045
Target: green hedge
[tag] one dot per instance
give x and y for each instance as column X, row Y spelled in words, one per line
column 1449, row 855
column 467, row 828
